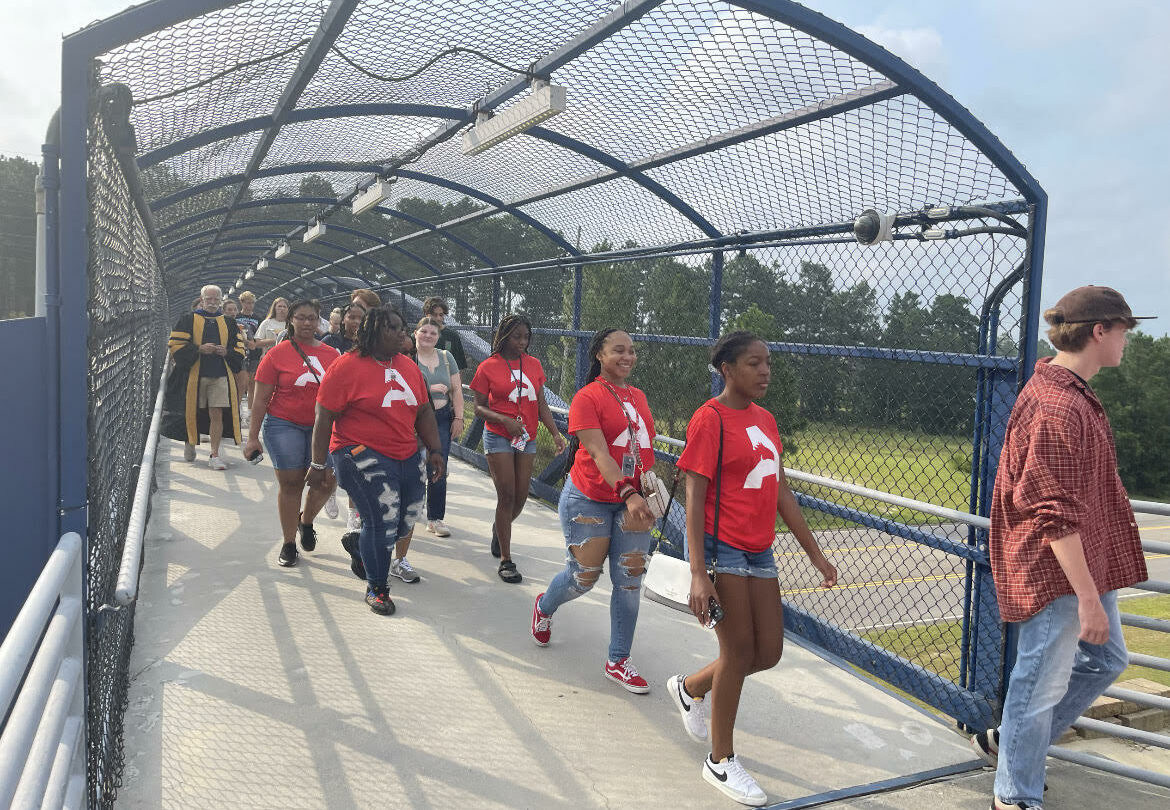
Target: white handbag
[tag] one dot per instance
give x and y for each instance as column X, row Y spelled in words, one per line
column 655, row 494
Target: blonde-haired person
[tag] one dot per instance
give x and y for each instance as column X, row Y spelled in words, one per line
column 268, row 333
column 247, row 319
column 367, row 298
column 446, row 388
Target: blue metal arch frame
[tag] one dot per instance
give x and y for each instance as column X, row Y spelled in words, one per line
column 271, row 201
column 263, row 247
column 239, row 259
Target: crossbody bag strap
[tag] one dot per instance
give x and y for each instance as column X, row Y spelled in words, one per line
column 304, row 357
column 718, row 477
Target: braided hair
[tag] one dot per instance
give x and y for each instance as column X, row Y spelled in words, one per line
column 371, row 329
column 509, row 324
column 595, row 346
column 729, row 347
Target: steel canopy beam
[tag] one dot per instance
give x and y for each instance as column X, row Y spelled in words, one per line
column 332, row 24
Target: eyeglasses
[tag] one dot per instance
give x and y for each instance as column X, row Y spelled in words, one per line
column 305, row 318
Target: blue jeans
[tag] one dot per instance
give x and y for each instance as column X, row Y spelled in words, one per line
column 583, row 519
column 288, row 444
column 731, row 560
column 437, row 491
column 388, row 494
column 495, row 443
column 1055, row 679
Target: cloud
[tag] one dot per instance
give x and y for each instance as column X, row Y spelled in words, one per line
column 921, row 47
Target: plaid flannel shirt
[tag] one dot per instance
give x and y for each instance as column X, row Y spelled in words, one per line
column 1058, row 476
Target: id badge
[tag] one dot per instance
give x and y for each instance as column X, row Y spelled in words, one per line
column 629, row 465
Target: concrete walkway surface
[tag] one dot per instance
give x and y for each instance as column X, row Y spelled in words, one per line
column 255, row 686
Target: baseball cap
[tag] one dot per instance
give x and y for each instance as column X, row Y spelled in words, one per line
column 1093, row 304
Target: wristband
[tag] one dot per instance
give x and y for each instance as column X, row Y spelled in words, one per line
column 317, row 466
column 627, row 492
column 620, row 486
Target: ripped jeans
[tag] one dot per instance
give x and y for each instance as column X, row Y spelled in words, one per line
column 388, row 494
column 584, row 520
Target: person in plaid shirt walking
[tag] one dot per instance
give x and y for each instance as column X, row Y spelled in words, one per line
column 1063, row 541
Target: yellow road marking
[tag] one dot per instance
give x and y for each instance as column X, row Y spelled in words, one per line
column 849, row 548
column 877, row 583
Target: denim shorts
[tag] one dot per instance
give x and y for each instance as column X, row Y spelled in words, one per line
column 736, row 561
column 495, row 443
column 289, row 445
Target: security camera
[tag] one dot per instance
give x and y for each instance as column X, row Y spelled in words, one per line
column 873, row 226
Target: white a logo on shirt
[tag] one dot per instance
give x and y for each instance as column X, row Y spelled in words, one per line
column 522, row 387
column 402, row 393
column 308, row 377
column 769, row 463
column 623, row 438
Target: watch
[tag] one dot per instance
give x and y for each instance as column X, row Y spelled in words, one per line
column 317, row 466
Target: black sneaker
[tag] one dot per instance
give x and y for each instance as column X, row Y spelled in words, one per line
column 495, row 544
column 986, row 745
column 350, row 542
column 288, row 555
column 379, row 601
column 308, row 536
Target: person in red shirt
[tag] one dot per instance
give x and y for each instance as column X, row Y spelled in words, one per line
column 1063, row 541
column 509, row 398
column 286, row 394
column 603, row 515
column 734, row 465
column 372, row 409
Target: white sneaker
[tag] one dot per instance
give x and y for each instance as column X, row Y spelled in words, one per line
column 733, row 781
column 403, row 570
column 692, row 709
column 438, row 527
column 331, row 507
column 216, row 463
column 188, row 452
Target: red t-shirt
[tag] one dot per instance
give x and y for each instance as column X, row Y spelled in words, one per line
column 375, row 404
column 295, row 388
column 594, row 407
column 511, row 388
column 751, row 465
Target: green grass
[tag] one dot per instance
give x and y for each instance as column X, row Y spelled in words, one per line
column 936, row 646
column 935, row 469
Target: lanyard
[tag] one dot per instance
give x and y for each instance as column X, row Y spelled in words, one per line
column 629, row 425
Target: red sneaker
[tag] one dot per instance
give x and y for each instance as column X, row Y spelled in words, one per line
column 541, row 624
column 623, row 672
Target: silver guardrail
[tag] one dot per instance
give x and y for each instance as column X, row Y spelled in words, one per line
column 127, row 589
column 42, row 694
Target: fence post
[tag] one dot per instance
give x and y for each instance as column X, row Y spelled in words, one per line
column 582, row 358
column 716, row 311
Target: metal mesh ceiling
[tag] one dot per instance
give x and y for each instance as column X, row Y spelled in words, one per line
column 686, row 119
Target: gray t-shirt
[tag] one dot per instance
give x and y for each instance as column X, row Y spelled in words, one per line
column 439, row 380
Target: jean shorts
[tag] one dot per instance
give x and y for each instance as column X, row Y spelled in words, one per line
column 736, row 561
column 289, row 445
column 495, row 443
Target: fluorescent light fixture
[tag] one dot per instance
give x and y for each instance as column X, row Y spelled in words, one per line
column 262, row 264
column 248, row 275
column 378, row 191
column 545, row 101
column 315, row 230
column 283, row 250
column 232, row 291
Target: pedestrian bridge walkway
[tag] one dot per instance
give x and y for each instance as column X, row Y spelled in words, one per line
column 258, row 686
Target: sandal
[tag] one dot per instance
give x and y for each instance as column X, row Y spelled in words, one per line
column 495, row 544
column 508, row 572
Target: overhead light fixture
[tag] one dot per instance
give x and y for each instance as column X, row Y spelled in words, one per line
column 262, row 264
column 377, row 191
column 248, row 275
column 545, row 101
column 315, row 230
column 232, row 291
column 282, row 250
column 873, row 226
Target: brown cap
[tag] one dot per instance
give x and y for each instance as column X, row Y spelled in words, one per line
column 1092, row 304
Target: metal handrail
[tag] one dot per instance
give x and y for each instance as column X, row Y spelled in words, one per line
column 127, row 590
column 1150, row 507
column 42, row 687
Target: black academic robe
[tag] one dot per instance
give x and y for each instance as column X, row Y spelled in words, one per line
column 182, row 420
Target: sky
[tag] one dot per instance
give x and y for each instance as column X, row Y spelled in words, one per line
column 1080, row 95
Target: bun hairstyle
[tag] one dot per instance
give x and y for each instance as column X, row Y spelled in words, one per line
column 730, row 346
column 595, row 346
column 509, row 324
column 372, row 324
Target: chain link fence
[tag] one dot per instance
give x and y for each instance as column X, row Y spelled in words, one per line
column 127, row 326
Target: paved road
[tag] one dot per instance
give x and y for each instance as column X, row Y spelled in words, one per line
column 889, row 582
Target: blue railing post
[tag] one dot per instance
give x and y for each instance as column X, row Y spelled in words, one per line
column 716, row 311
column 582, row 353
column 51, row 305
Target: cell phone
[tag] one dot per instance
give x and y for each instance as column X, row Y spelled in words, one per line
column 714, row 613
column 256, row 457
